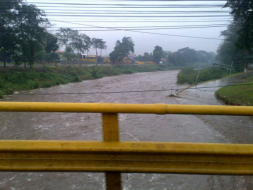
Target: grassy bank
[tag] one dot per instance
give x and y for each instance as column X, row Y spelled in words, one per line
column 189, row 75
column 16, row 79
column 240, row 94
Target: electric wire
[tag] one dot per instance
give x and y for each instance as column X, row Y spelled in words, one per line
column 162, row 34
column 158, row 26
column 151, row 21
column 133, row 91
column 142, row 29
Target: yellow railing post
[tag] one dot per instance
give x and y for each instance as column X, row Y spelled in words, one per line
column 111, row 133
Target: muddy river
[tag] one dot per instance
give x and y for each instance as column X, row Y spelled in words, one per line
column 133, row 127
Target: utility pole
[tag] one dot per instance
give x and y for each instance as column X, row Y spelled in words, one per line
column 231, row 68
column 197, row 77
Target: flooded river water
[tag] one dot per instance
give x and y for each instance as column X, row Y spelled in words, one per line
column 133, row 127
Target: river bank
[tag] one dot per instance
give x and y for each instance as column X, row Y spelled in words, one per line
column 16, row 79
column 239, row 94
column 189, row 76
column 238, row 90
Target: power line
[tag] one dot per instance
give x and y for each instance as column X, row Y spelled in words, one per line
column 113, row 28
column 135, row 12
column 119, row 4
column 136, row 16
column 132, row 91
column 128, row 14
column 155, row 26
column 148, row 21
column 140, row 29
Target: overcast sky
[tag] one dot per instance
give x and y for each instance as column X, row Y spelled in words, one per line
column 176, row 24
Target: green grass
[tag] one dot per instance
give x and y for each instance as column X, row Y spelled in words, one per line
column 189, row 75
column 240, row 94
column 17, row 78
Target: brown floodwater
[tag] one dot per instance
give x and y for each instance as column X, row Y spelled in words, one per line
column 133, row 127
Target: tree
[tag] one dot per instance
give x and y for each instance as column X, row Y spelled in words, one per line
column 205, row 57
column 228, row 51
column 8, row 42
column 146, row 57
column 189, row 56
column 30, row 32
column 79, row 43
column 48, row 49
column 96, row 44
column 242, row 12
column 88, row 43
column 122, row 49
column 51, row 43
column 71, row 39
column 52, row 57
column 22, row 30
column 66, row 36
column 102, row 46
column 157, row 54
column 8, row 18
column 68, row 53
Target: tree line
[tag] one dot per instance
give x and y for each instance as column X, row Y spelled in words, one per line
column 72, row 40
column 182, row 57
column 24, row 37
column 237, row 46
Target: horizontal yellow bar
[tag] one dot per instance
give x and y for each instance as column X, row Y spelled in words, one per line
column 194, row 158
column 125, row 108
column 114, row 146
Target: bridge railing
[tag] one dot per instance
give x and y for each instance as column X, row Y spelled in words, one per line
column 113, row 157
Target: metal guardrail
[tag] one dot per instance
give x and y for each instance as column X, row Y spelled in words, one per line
column 114, row 157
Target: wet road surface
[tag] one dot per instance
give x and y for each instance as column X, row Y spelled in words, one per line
column 133, row 127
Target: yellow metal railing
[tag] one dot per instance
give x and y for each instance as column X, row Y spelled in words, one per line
column 114, row 157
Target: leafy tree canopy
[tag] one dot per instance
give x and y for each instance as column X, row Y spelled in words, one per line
column 51, row 43
column 228, row 52
column 187, row 56
column 96, row 43
column 66, row 36
column 242, row 12
column 146, row 57
column 122, row 49
column 22, row 30
column 157, row 54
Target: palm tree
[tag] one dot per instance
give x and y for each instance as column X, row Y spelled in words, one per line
column 88, row 42
column 95, row 44
column 102, row 46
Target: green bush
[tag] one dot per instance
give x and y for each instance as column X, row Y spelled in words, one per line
column 76, row 79
column 127, row 72
column 44, row 85
column 189, row 75
column 32, row 84
column 1, row 94
column 8, row 89
column 95, row 72
column 1, row 84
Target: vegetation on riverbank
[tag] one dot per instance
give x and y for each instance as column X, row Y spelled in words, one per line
column 16, row 79
column 239, row 94
column 189, row 75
